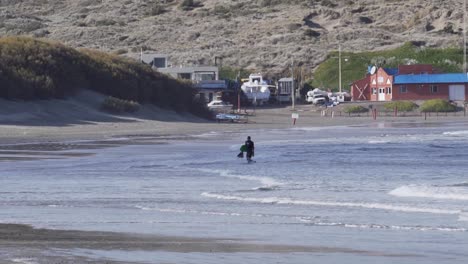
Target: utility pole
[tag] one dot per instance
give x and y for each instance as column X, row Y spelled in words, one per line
column 464, row 36
column 293, row 91
column 339, row 65
column 238, row 92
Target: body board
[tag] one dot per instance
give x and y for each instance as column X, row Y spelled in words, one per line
column 243, row 148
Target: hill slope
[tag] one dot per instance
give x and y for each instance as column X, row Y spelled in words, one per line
column 35, row 69
column 262, row 35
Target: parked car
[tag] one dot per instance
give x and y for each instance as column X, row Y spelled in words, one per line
column 317, row 99
column 219, row 105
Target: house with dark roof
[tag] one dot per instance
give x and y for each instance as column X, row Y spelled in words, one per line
column 205, row 79
column 409, row 82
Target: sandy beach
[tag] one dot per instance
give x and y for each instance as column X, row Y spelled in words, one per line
column 42, row 133
column 79, row 118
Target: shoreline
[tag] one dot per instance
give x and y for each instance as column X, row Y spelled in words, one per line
column 185, row 127
column 52, row 142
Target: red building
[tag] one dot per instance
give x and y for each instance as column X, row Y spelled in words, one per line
column 410, row 82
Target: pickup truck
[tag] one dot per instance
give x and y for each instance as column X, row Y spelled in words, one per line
column 317, row 99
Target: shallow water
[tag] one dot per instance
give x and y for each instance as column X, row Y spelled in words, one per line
column 397, row 190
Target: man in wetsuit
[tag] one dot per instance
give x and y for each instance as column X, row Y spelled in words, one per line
column 249, row 144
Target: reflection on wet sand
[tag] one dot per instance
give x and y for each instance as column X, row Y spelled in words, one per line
column 27, row 238
column 58, row 150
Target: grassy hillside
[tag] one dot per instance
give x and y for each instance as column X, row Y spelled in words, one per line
column 33, row 69
column 354, row 65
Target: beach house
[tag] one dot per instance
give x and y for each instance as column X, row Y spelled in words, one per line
column 205, row 78
column 409, row 82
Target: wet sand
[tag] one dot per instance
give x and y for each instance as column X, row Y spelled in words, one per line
column 185, row 127
column 23, row 241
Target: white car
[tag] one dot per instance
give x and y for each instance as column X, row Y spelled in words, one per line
column 317, row 99
column 219, row 105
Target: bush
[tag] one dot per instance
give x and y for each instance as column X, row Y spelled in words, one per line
column 267, row 3
column 116, row 105
column 187, row 5
column 437, row 105
column 155, row 9
column 402, row 106
column 355, row 109
column 33, row 69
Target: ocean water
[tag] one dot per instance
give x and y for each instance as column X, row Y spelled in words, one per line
column 396, row 189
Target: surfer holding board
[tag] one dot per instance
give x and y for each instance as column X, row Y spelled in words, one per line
column 249, row 148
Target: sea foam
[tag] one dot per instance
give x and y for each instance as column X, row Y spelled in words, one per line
column 266, row 182
column 381, row 206
column 432, row 192
column 314, row 222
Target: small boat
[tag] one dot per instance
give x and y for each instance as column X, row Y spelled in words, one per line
column 256, row 89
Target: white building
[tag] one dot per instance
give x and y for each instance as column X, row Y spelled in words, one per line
column 205, row 78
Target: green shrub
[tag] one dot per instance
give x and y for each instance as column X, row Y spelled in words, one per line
column 267, row 3
column 121, row 51
column 221, row 10
column 155, row 9
column 116, row 105
column 36, row 69
column 437, row 105
column 188, row 5
column 402, row 106
column 355, row 109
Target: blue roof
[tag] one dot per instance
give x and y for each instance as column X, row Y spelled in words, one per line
column 391, row 71
column 431, row 78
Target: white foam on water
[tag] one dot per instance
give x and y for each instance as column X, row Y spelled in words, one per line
column 207, row 135
column 378, row 142
column 267, row 182
column 380, row 226
column 24, row 261
column 456, row 133
column 277, row 200
column 432, row 192
column 184, row 211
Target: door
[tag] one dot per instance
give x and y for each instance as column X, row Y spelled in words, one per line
column 457, row 92
column 381, row 94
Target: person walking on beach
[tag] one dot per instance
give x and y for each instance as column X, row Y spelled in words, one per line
column 250, row 147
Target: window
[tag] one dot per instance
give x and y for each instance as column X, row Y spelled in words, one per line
column 403, row 89
column 380, row 79
column 185, row 76
column 434, row 89
column 205, row 76
column 389, row 90
column 374, row 90
column 159, row 62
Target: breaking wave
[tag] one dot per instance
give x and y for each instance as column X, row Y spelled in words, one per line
column 267, row 183
column 433, row 192
column 381, row 206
